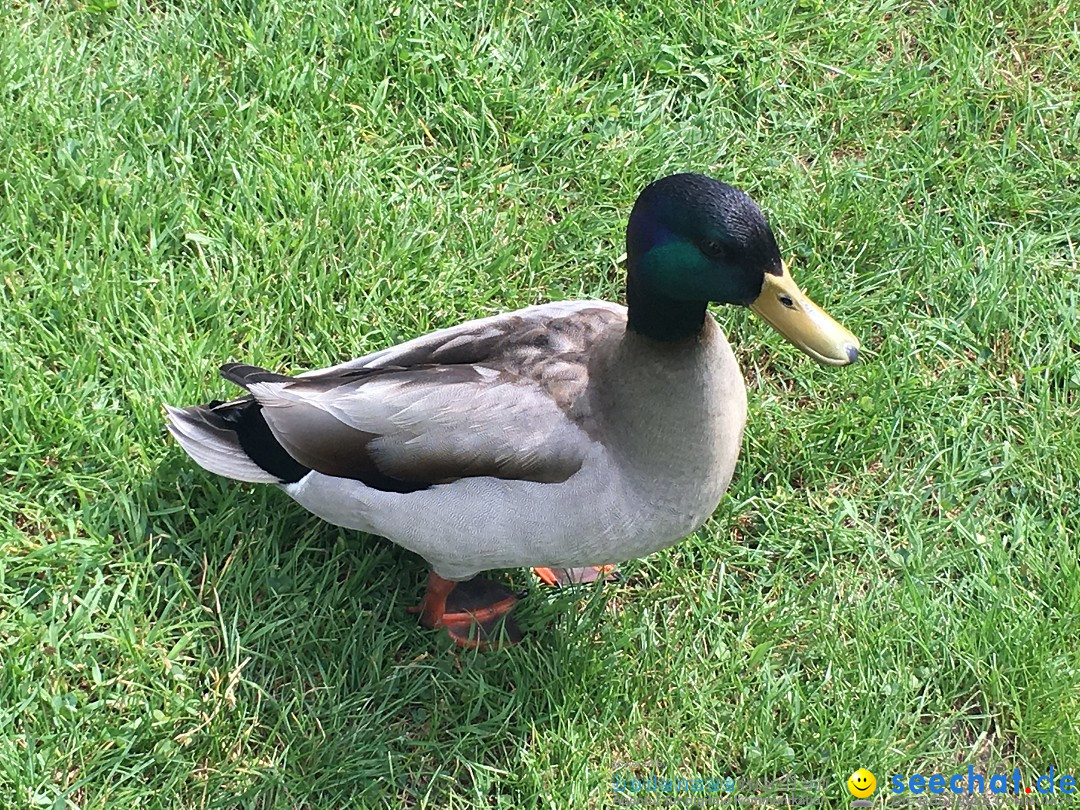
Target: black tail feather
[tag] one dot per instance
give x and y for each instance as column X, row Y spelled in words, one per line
column 244, row 417
column 243, row 374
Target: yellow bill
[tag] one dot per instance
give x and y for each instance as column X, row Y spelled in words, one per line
column 787, row 309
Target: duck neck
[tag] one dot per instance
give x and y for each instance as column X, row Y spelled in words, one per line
column 665, row 401
column 655, row 316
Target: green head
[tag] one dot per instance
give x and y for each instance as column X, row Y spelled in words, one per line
column 693, row 240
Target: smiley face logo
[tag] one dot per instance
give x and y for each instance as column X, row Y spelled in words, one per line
column 861, row 783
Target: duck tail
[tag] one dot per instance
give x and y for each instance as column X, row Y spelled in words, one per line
column 214, row 444
column 232, row 438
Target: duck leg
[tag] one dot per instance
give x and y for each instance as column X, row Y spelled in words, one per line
column 561, row 577
column 474, row 612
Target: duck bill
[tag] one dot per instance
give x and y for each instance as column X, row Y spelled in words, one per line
column 789, row 311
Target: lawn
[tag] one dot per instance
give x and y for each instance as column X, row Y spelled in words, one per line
column 892, row 581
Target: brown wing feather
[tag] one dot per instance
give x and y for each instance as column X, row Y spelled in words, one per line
column 499, row 397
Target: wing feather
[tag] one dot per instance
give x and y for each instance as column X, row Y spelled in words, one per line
column 429, row 425
column 504, row 396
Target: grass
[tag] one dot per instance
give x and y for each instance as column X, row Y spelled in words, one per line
column 892, row 581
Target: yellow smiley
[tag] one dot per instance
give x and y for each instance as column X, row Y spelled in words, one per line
column 861, row 783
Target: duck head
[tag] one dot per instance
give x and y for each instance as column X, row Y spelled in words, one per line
column 692, row 240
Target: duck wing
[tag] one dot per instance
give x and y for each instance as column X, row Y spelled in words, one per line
column 494, row 397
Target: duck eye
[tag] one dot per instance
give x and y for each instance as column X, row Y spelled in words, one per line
column 786, row 301
column 713, row 248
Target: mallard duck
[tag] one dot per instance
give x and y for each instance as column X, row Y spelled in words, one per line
column 564, row 437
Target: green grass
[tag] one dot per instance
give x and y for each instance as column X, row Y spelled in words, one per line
column 892, row 581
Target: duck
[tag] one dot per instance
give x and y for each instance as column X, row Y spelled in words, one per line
column 565, row 437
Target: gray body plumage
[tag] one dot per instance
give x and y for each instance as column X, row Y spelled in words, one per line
column 550, row 436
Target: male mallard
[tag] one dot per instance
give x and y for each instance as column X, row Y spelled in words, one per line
column 562, row 436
